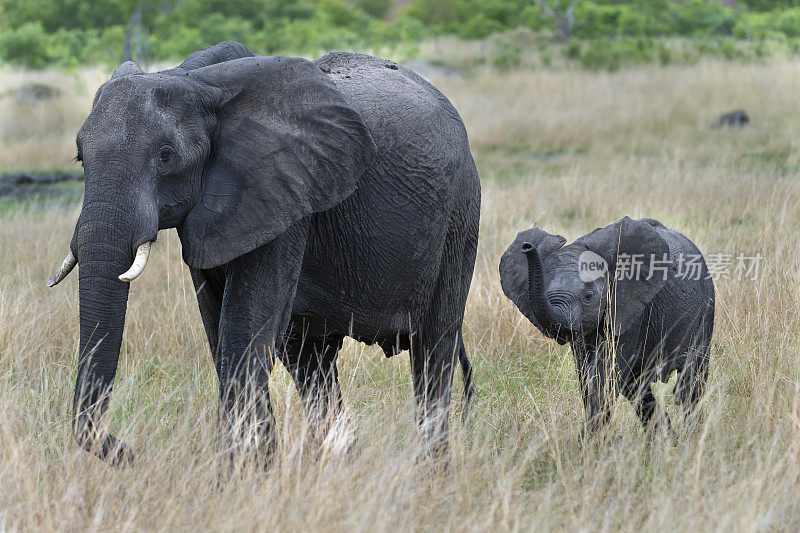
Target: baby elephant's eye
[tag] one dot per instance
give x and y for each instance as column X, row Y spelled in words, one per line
column 587, row 295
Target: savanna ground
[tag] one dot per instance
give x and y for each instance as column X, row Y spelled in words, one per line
column 563, row 149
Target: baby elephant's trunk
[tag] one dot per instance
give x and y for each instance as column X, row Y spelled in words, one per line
column 539, row 304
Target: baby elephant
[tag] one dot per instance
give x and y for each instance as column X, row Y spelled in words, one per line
column 635, row 301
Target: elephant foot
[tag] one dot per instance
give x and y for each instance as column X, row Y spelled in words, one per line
column 122, row 456
column 434, row 460
column 245, row 442
column 107, row 447
column 668, row 436
column 661, row 432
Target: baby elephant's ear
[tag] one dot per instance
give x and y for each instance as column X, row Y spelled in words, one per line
column 639, row 264
column 514, row 267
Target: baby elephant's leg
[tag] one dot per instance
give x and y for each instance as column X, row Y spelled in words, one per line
column 652, row 416
column 691, row 385
column 598, row 385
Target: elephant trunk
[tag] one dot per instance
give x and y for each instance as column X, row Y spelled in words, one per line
column 104, row 243
column 541, row 308
column 103, row 302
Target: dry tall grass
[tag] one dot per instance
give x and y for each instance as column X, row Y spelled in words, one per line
column 569, row 151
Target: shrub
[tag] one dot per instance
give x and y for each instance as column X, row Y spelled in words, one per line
column 752, row 26
column 601, row 56
column 434, row 12
column 69, row 47
column 788, row 22
column 108, row 47
column 533, row 18
column 574, row 49
column 592, row 20
column 25, row 45
column 702, row 17
column 478, row 27
column 337, row 12
column 375, row 8
column 71, row 32
column 664, row 54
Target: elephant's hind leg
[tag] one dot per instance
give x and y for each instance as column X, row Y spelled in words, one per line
column 691, row 385
column 439, row 345
column 652, row 416
column 692, row 377
column 311, row 361
column 432, row 364
column 466, row 373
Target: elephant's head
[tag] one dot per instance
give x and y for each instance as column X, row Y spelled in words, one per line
column 231, row 149
column 579, row 290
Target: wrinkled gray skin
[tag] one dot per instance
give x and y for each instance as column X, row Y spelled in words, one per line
column 657, row 325
column 313, row 200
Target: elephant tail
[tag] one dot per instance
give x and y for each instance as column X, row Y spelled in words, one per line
column 466, row 372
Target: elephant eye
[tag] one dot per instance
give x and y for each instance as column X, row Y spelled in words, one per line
column 587, row 296
column 165, row 154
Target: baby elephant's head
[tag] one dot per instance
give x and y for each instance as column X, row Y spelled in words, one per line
column 602, row 281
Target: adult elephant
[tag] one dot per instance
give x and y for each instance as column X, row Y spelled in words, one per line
column 313, row 201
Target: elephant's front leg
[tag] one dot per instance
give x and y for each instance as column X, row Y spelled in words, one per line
column 596, row 378
column 256, row 306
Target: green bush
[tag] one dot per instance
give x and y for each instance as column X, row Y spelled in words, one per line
column 769, row 5
column 69, row 47
column 574, row 49
column 108, row 48
column 478, row 27
column 752, row 26
column 601, row 56
column 788, row 23
column 702, row 17
column 72, row 32
column 434, row 12
column 533, row 18
column 337, row 12
column 592, row 20
column 375, row 8
column 664, row 54
column 25, row 45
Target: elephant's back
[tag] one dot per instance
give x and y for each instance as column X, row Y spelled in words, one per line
column 380, row 88
column 402, row 110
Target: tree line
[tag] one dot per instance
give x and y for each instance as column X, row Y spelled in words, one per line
column 37, row 33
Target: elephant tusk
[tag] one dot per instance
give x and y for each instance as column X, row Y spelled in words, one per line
column 65, row 268
column 139, row 262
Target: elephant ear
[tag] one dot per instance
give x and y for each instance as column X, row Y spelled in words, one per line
column 219, row 53
column 514, row 267
column 637, row 256
column 287, row 144
column 128, row 68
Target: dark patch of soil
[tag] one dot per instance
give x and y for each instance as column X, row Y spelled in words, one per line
column 33, row 92
column 23, row 184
